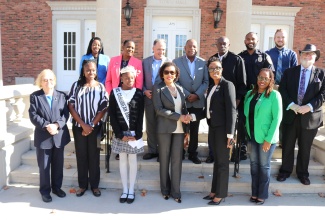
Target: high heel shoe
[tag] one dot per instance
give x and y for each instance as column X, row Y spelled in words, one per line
column 166, row 197
column 208, row 197
column 178, row 200
column 259, row 202
column 251, row 199
column 216, row 203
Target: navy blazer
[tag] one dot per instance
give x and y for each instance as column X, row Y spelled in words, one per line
column 315, row 94
column 41, row 115
column 165, row 108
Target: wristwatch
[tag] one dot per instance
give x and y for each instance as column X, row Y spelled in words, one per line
column 92, row 124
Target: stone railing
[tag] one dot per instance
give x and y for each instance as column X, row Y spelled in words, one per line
column 14, row 104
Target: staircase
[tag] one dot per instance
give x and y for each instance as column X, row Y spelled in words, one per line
column 195, row 177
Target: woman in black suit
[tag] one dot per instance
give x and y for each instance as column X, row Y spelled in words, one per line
column 172, row 117
column 221, row 118
column 49, row 113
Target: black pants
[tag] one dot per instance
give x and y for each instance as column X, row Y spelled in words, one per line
column 194, row 133
column 87, row 153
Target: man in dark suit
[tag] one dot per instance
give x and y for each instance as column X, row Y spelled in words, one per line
column 303, row 91
column 49, row 114
column 194, row 79
column 151, row 66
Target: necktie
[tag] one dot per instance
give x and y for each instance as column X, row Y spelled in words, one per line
column 49, row 100
column 301, row 91
column 279, row 68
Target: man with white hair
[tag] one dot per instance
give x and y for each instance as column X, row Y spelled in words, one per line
column 303, row 91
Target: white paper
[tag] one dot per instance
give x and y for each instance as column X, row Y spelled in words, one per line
column 136, row 144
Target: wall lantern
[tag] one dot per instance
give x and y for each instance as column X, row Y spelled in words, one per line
column 217, row 13
column 127, row 10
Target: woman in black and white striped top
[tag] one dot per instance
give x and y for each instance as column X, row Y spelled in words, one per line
column 88, row 102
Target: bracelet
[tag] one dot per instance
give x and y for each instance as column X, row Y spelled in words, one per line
column 92, row 124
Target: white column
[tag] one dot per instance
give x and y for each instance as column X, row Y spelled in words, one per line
column 108, row 25
column 238, row 23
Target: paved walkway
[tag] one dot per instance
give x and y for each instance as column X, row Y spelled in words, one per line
column 25, row 202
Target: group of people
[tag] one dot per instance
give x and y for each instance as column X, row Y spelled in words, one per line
column 248, row 92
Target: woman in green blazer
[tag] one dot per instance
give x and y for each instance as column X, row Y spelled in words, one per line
column 263, row 112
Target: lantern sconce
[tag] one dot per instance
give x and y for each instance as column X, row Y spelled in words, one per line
column 217, row 13
column 127, row 10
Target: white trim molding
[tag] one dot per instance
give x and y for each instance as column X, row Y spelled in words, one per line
column 275, row 10
column 72, row 6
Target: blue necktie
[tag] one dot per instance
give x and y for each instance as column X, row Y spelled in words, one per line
column 49, row 100
column 279, row 68
column 301, row 91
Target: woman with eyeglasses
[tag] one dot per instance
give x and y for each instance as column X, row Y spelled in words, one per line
column 221, row 116
column 263, row 111
column 172, row 121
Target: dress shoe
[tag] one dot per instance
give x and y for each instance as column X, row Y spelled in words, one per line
column 166, row 197
column 304, row 180
column 149, row 156
column 282, row 177
column 122, row 198
column 209, row 159
column 178, row 200
column 251, row 199
column 117, row 157
column 46, row 198
column 195, row 159
column 131, row 198
column 80, row 192
column 216, row 203
column 59, row 192
column 259, row 202
column 208, row 197
column 96, row 192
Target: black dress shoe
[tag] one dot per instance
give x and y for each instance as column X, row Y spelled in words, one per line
column 80, row 192
column 216, row 203
column 117, row 157
column 59, row 192
column 208, row 197
column 123, row 199
column 96, row 192
column 304, row 180
column 130, row 199
column 166, row 197
column 149, row 156
column 46, row 198
column 251, row 199
column 178, row 200
column 282, row 177
column 195, row 159
column 209, row 159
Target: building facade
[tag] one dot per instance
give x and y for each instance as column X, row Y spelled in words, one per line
column 54, row 34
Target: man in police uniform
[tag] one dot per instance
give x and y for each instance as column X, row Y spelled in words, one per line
column 254, row 59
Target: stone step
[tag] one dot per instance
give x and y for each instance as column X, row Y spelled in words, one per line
column 191, row 181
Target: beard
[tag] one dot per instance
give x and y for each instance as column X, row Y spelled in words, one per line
column 279, row 46
column 306, row 63
column 248, row 47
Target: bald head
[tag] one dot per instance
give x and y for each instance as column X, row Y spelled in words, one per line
column 223, row 45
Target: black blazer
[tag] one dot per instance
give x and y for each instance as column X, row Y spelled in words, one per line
column 165, row 108
column 41, row 115
column 223, row 106
column 315, row 94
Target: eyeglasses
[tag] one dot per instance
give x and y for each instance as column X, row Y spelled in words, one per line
column 166, row 72
column 215, row 69
column 261, row 78
column 48, row 80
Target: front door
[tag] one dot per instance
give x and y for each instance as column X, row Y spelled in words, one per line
column 175, row 30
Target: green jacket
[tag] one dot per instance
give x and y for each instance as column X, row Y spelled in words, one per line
column 267, row 117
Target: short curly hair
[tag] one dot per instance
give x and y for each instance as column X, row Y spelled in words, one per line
column 40, row 76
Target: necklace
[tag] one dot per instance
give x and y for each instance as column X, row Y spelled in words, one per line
column 173, row 91
column 258, row 96
column 125, row 63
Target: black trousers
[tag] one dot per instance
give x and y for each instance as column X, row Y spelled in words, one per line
column 87, row 153
column 194, row 133
column 50, row 164
column 220, row 179
column 290, row 133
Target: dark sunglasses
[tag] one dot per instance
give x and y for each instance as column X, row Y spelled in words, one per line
column 166, row 72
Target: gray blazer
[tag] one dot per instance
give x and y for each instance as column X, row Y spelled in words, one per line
column 198, row 85
column 165, row 108
column 147, row 72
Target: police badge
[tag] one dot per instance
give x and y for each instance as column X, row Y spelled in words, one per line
column 259, row 59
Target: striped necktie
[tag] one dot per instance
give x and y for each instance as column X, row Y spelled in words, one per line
column 279, row 69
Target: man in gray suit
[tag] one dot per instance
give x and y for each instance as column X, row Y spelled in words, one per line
column 151, row 66
column 194, row 79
